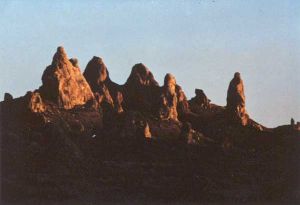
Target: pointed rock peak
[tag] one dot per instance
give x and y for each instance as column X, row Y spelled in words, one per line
column 96, row 73
column 141, row 75
column 170, row 83
column 60, row 57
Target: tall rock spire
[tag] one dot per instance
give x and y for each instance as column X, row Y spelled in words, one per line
column 63, row 83
column 236, row 101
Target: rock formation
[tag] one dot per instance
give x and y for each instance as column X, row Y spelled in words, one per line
column 168, row 109
column 236, row 100
column 64, row 84
column 141, row 89
column 97, row 76
column 140, row 137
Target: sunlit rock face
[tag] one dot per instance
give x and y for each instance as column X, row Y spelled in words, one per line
column 236, row 105
column 35, row 102
column 63, row 82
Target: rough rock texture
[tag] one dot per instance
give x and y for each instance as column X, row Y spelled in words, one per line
column 8, row 97
column 236, row 100
column 35, row 102
column 64, row 84
column 51, row 154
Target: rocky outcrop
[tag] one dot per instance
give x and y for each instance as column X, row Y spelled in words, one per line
column 64, row 84
column 173, row 101
column 108, row 92
column 96, row 73
column 236, row 106
column 141, row 90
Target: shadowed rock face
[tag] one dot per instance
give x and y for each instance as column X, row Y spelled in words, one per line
column 64, row 84
column 141, row 91
column 96, row 73
column 236, row 100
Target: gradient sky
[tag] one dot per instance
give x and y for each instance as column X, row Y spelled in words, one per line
column 201, row 42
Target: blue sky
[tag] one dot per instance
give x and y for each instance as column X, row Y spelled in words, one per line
column 201, row 42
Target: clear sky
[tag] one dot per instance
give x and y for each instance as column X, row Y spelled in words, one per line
column 201, row 42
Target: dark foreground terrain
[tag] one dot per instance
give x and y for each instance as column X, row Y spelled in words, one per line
column 83, row 139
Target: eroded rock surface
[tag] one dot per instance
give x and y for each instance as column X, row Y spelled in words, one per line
column 64, row 84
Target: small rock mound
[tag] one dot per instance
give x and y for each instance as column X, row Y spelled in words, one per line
column 236, row 100
column 63, row 82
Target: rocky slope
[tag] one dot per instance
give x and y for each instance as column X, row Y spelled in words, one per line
column 82, row 136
